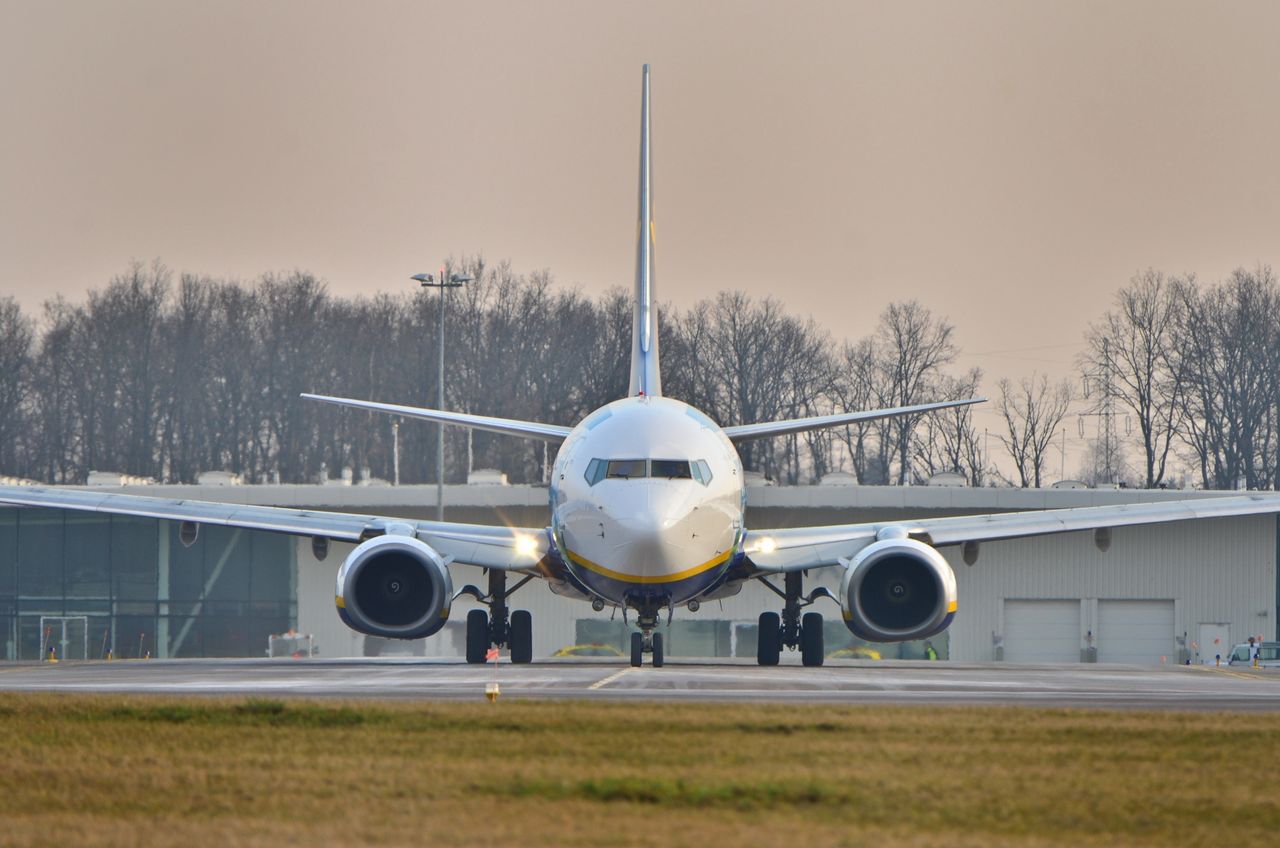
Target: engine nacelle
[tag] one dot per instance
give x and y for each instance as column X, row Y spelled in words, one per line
column 394, row 586
column 895, row 590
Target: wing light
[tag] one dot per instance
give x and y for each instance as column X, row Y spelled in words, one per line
column 766, row 545
column 527, row 546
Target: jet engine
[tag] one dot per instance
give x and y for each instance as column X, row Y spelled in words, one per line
column 898, row 589
column 394, row 586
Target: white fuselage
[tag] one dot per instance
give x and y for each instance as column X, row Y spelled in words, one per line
column 647, row 499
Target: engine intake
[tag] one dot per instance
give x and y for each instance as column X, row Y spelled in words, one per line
column 394, row 586
column 895, row 590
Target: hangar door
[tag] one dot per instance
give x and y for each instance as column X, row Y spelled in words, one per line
column 1042, row 631
column 1139, row 632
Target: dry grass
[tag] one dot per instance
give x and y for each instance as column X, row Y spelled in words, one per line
column 150, row 771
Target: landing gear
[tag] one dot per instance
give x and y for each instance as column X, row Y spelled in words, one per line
column 769, row 644
column 789, row 629
column 520, row 637
column 811, row 639
column 647, row 641
column 654, row 647
column 477, row 636
column 499, row 626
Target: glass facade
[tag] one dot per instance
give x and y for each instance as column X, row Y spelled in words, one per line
column 133, row 589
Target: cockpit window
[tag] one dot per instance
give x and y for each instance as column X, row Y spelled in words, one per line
column 671, row 469
column 631, row 469
column 627, row 468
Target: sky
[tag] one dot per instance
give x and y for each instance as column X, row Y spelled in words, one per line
column 1008, row 164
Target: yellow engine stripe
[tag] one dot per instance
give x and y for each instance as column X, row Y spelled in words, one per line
column 659, row 578
column 341, row 604
column 951, row 607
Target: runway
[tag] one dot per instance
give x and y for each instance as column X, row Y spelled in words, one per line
column 845, row 682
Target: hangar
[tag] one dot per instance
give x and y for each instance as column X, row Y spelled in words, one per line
column 1176, row 592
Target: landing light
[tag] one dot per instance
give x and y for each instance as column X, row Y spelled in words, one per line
column 526, row 546
column 767, row 545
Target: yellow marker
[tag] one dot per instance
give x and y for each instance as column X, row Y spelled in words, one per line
column 491, row 692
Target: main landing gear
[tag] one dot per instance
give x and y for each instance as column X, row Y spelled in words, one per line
column 499, row 626
column 790, row 629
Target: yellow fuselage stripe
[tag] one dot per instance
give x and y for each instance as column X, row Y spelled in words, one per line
column 656, row 578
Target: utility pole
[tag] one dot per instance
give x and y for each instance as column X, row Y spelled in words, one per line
column 1104, row 410
column 395, row 451
column 441, row 282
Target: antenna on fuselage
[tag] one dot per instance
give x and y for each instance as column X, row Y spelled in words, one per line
column 646, row 378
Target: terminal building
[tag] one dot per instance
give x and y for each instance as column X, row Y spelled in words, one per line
column 93, row 585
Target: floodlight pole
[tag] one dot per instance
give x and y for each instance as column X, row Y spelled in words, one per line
column 442, row 281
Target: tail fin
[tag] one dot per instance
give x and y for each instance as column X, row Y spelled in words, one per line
column 646, row 378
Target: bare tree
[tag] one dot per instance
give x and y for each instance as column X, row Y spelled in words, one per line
column 1135, row 343
column 1032, row 412
column 1226, row 343
column 766, row 365
column 17, row 339
column 859, row 385
column 947, row 439
column 914, row 346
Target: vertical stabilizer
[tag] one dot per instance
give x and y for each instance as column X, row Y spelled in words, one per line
column 645, row 376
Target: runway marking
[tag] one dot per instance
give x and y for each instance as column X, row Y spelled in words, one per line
column 1240, row 674
column 600, row 684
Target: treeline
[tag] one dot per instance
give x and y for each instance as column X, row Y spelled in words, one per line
column 1194, row 371
column 166, row 376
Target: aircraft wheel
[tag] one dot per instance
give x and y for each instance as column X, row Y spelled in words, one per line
column 769, row 643
column 637, row 650
column 477, row 636
column 811, row 642
column 521, row 636
column 657, row 650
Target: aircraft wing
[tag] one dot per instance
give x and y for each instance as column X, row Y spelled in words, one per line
column 800, row 548
column 509, row 426
column 742, row 432
column 473, row 544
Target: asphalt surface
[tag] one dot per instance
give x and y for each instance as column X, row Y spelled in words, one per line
column 848, row 682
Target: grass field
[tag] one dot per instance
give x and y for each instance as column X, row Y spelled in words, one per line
column 204, row 772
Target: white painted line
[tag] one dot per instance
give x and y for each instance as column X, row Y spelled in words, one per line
column 600, row 684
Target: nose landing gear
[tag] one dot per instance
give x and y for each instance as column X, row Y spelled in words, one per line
column 647, row 641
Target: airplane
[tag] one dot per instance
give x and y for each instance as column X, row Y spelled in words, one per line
column 647, row 502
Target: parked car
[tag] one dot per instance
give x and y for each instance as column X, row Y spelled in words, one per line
column 593, row 650
column 1268, row 655
column 857, row 652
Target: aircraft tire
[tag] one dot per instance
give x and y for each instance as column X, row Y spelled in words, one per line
column 769, row 643
column 658, row 657
column 521, row 636
column 811, row 641
column 637, row 650
column 477, row 636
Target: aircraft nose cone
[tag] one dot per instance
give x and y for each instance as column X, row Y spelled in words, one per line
column 661, row 537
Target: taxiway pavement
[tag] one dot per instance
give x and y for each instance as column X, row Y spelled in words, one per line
column 847, row 682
